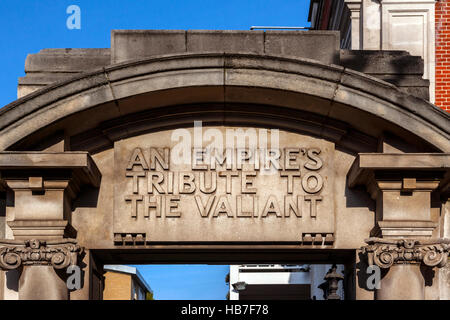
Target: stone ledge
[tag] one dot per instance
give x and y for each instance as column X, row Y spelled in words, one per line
column 405, row 229
column 53, row 65
column 81, row 163
column 67, row 60
column 366, row 163
column 355, row 89
column 41, row 229
column 129, row 45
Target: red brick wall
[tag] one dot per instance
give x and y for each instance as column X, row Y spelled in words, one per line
column 443, row 54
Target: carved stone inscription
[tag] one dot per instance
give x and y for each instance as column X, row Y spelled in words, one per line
column 248, row 192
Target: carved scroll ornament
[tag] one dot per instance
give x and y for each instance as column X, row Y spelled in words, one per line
column 57, row 253
column 386, row 252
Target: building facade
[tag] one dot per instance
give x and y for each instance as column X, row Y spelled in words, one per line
column 281, row 282
column 442, row 96
column 418, row 27
column 224, row 147
column 125, row 283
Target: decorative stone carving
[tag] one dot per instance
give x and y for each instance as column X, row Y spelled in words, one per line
column 129, row 239
column 58, row 253
column 387, row 252
column 317, row 238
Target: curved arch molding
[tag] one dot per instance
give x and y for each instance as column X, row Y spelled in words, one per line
column 326, row 100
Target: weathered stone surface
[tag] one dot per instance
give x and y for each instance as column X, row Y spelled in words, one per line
column 44, row 185
column 386, row 253
column 382, row 62
column 124, row 113
column 67, row 60
column 402, row 282
column 137, row 44
column 225, row 41
column 402, row 198
column 42, row 283
column 54, row 65
column 355, row 93
column 84, row 168
column 396, row 67
column 396, row 163
column 178, row 201
column 322, row 46
column 59, row 254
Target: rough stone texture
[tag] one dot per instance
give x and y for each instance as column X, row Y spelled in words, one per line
column 143, row 100
column 225, row 41
column 248, row 79
column 83, row 167
column 397, row 67
column 402, row 282
column 246, row 217
column 137, row 44
column 403, row 199
column 42, row 283
column 53, row 65
column 43, row 200
column 320, row 45
column 67, row 60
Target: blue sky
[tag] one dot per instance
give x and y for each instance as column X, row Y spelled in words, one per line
column 186, row 282
column 28, row 26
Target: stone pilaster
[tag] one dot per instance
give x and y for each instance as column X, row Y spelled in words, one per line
column 402, row 185
column 40, row 262
column 42, row 186
column 403, row 261
column 407, row 240
column 355, row 10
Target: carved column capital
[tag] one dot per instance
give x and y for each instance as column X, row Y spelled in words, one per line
column 387, row 252
column 57, row 253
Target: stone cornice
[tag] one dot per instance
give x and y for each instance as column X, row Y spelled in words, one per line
column 354, row 5
column 28, row 115
column 80, row 166
column 60, row 253
column 401, row 171
column 386, row 252
column 366, row 164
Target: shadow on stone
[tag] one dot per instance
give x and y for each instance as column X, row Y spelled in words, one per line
column 12, row 279
column 88, row 198
column 428, row 275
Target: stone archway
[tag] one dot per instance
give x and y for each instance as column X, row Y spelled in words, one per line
column 333, row 92
column 79, row 155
